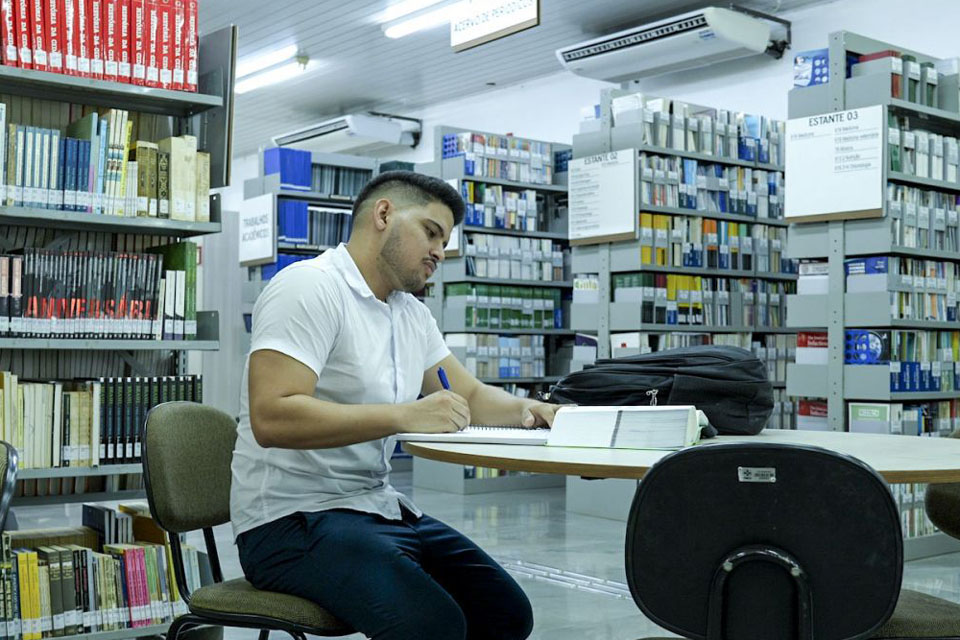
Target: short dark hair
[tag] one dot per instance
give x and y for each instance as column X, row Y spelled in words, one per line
column 412, row 187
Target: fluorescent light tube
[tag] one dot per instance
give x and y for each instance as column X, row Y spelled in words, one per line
column 253, row 64
column 404, row 8
column 423, row 21
column 271, row 76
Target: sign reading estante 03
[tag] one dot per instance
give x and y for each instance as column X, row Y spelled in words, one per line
column 480, row 21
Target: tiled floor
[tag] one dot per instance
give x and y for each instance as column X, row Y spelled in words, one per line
column 530, row 533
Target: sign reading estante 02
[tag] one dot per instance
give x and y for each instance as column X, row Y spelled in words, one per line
column 480, row 21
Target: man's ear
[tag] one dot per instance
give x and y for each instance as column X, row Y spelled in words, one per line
column 382, row 210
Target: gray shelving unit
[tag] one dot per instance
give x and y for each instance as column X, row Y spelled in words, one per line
column 451, row 478
column 624, row 257
column 208, row 115
column 836, row 240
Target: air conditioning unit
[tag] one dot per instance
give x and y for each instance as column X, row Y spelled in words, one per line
column 687, row 41
column 359, row 134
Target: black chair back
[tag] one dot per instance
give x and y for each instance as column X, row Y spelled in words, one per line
column 760, row 541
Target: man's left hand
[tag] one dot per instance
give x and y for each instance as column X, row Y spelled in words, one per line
column 539, row 414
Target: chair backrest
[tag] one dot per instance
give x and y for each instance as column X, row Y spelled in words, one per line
column 187, row 450
column 9, row 462
column 831, row 513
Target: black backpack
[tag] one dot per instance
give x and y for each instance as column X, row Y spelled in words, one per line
column 728, row 384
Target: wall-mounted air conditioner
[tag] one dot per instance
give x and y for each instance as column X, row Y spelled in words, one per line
column 359, row 133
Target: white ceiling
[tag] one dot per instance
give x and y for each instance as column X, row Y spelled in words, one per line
column 355, row 67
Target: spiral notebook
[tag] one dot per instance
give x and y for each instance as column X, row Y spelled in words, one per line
column 483, row 434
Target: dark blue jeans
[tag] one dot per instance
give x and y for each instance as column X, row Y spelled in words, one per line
column 415, row 579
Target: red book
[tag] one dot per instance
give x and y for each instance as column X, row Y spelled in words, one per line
column 95, row 32
column 83, row 37
column 192, row 45
column 9, row 34
column 153, row 43
column 179, row 39
column 21, row 16
column 38, row 31
column 138, row 41
column 125, row 25
column 55, row 35
column 68, row 12
column 111, row 39
column 165, row 64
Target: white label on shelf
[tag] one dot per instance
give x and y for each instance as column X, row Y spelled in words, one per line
column 894, row 367
column 893, row 136
column 646, row 173
column 935, row 369
column 909, row 140
column 923, row 217
column 696, row 296
column 602, row 200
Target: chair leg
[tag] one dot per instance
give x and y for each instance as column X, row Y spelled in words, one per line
column 297, row 635
column 264, row 633
column 177, row 626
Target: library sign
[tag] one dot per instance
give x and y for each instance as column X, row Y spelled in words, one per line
column 834, row 165
column 603, row 197
column 257, row 233
column 479, row 21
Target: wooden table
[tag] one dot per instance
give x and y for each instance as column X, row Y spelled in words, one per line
column 896, row 458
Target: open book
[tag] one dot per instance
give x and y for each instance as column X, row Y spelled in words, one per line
column 661, row 427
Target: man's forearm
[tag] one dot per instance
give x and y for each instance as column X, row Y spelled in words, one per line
column 491, row 405
column 302, row 422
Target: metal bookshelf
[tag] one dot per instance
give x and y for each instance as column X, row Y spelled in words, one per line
column 552, row 203
column 208, row 115
column 79, row 221
column 836, row 240
column 63, row 88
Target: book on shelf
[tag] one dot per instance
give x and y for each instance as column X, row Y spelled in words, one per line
column 489, row 205
column 918, row 361
column 495, row 356
column 150, row 43
column 84, row 423
column 493, row 256
column 339, row 181
column 74, row 580
column 502, row 157
column 667, row 427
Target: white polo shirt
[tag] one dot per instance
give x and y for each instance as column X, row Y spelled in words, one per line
column 322, row 313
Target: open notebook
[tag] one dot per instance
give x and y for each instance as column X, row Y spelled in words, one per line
column 481, row 434
column 659, row 427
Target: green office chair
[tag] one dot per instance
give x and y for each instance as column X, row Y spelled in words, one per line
column 187, row 450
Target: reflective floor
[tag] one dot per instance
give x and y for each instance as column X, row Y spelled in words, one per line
column 571, row 566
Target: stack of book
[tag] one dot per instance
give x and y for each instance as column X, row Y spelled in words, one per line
column 923, row 218
column 150, row 43
column 491, row 256
column 501, row 307
column 924, row 361
column 84, row 423
column 918, row 289
column 669, row 181
column 933, row 418
column 493, row 356
column 495, row 206
column 301, row 223
column 501, row 157
column 115, row 572
column 679, row 126
column 921, row 153
column 692, row 241
column 100, row 294
column 98, row 166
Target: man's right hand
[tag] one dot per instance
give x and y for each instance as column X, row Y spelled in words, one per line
column 439, row 412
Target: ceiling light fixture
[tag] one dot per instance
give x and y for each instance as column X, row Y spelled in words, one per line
column 254, row 64
column 428, row 20
column 404, row 8
column 273, row 75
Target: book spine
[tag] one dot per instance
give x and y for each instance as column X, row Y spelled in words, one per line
column 165, row 30
column 191, row 44
column 38, row 35
column 8, row 36
column 96, row 32
column 81, row 18
column 179, row 50
column 55, row 41
column 124, row 27
column 153, row 43
column 70, row 36
column 138, row 41
column 111, row 40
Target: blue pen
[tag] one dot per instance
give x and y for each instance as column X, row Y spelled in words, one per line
column 443, row 378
